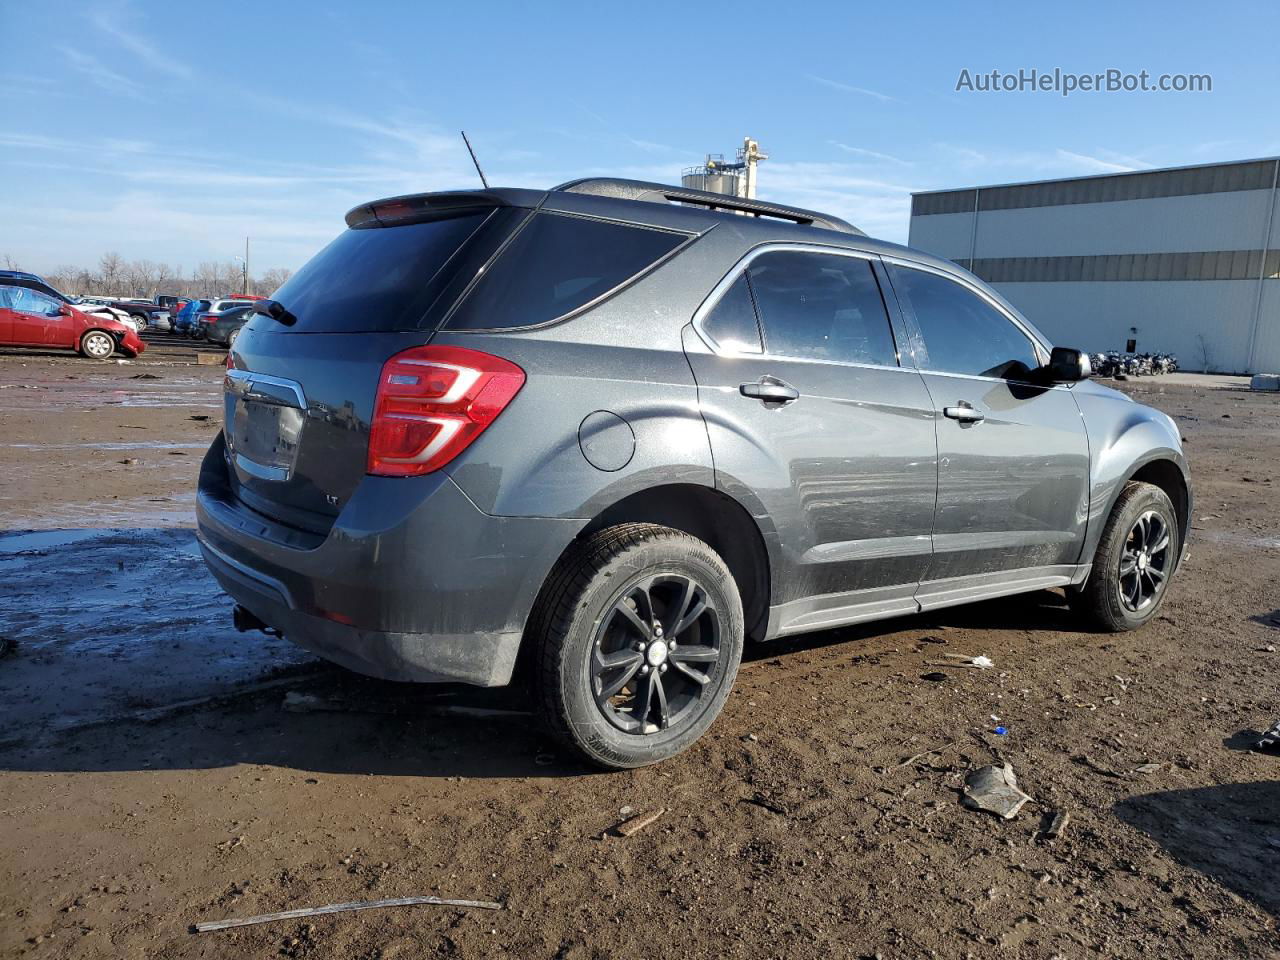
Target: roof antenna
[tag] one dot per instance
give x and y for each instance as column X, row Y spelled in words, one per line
column 474, row 160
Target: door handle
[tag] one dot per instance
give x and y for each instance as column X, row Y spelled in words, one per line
column 965, row 412
column 770, row 390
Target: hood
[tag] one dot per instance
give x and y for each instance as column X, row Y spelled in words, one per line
column 1094, row 388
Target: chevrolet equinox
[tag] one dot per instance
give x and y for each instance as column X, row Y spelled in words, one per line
column 597, row 437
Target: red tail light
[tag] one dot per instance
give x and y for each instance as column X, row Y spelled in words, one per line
column 432, row 403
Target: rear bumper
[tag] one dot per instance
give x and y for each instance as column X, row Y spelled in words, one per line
column 413, row 582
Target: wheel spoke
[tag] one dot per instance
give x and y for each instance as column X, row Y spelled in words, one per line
column 1157, row 575
column 1162, row 544
column 695, row 654
column 629, row 669
column 660, row 695
column 644, row 604
column 634, row 619
column 700, row 678
column 643, row 705
column 1128, row 564
column 676, row 613
column 690, row 617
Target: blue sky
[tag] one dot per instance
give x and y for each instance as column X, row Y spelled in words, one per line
column 169, row 131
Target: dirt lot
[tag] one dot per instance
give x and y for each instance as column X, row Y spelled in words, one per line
column 795, row 829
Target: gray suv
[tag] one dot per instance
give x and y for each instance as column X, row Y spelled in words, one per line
column 595, row 438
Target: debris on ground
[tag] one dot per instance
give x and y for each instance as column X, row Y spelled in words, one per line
column 927, row 753
column 1057, row 823
column 764, row 803
column 637, row 823
column 1148, row 768
column 936, row 676
column 1270, row 741
column 980, row 662
column 295, row 702
column 341, row 908
column 995, row 790
column 129, row 461
column 1087, row 761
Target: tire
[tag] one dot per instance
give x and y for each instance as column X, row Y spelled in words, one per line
column 231, row 338
column 97, row 345
column 651, row 571
column 139, row 321
column 1115, row 600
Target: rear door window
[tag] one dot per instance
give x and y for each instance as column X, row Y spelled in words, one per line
column 962, row 332
column 376, row 278
column 558, row 264
column 819, row 306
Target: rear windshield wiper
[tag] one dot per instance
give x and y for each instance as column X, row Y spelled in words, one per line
column 275, row 310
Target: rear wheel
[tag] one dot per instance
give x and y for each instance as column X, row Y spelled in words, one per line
column 231, row 338
column 97, row 345
column 639, row 636
column 1134, row 561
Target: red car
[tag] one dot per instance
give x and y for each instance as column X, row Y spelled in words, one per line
column 29, row 318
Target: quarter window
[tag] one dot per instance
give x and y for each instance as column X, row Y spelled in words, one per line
column 732, row 322
column 558, row 264
column 821, row 306
column 962, row 332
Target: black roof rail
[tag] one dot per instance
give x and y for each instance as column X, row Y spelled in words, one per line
column 668, row 193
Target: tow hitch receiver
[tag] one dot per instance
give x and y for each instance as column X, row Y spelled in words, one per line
column 245, row 621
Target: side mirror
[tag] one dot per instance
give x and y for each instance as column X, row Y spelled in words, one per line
column 64, row 310
column 1068, row 366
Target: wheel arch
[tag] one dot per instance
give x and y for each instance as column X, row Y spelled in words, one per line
column 717, row 519
column 1165, row 473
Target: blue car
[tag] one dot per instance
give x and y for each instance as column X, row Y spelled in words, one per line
column 184, row 323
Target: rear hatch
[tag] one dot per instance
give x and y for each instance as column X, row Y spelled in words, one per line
column 299, row 397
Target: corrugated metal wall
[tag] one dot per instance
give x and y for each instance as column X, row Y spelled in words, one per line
column 1069, row 244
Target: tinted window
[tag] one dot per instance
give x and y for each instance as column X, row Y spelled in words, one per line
column 30, row 301
column 732, row 322
column 963, row 333
column 374, row 278
column 557, row 264
column 822, row 307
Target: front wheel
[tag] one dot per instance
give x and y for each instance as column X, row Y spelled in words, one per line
column 639, row 635
column 97, row 345
column 1134, row 561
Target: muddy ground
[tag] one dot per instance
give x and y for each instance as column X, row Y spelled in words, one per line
column 811, row 822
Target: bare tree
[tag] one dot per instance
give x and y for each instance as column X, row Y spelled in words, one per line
column 10, row 263
column 1205, row 353
column 271, row 281
column 110, row 270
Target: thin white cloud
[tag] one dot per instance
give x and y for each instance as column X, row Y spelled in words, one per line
column 101, row 75
column 849, row 88
column 869, row 154
column 1094, row 164
column 108, row 20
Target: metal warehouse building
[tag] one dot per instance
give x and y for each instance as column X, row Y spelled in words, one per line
column 1184, row 260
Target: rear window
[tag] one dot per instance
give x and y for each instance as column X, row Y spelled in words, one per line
column 375, row 278
column 558, row 264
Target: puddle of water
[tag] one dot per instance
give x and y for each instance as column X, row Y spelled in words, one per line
column 121, row 515
column 1235, row 538
column 141, row 445
column 43, row 539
